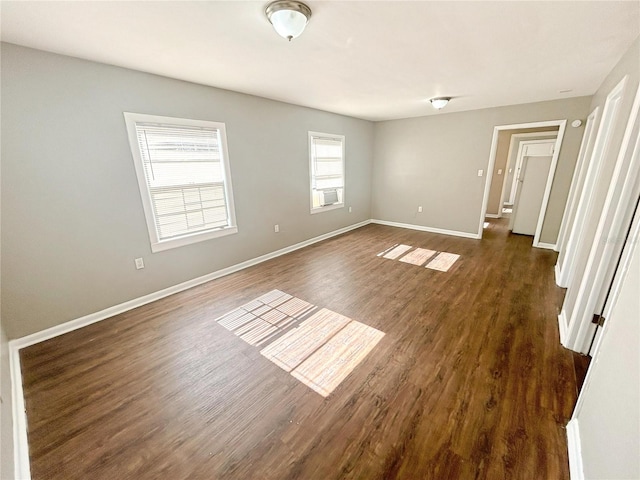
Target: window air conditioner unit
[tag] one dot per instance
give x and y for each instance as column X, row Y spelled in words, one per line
column 328, row 197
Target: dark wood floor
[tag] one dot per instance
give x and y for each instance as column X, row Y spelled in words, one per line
column 469, row 382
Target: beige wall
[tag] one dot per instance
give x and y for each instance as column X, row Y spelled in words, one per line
column 502, row 159
column 433, row 162
column 72, row 218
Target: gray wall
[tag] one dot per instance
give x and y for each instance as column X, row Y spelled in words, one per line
column 433, row 161
column 72, row 219
column 6, row 390
column 609, row 419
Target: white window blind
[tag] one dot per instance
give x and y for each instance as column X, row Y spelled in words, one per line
column 185, row 179
column 326, row 154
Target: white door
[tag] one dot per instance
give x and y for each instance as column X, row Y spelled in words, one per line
column 532, row 171
column 577, row 233
column 532, row 181
column 596, row 287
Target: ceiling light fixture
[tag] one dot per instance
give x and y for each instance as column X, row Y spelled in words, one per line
column 440, row 102
column 288, row 17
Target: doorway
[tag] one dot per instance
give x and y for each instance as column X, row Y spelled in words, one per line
column 518, row 140
column 531, row 173
column 498, row 176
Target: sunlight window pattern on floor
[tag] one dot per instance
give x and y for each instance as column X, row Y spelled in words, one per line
column 441, row 261
column 317, row 346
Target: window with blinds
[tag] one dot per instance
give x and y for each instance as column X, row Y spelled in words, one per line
column 183, row 174
column 326, row 155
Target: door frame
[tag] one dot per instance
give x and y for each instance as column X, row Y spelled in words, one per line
column 577, row 182
column 519, row 138
column 519, row 163
column 608, row 243
column 606, row 129
column 561, row 124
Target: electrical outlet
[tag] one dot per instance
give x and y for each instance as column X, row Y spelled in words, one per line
column 139, row 263
column 276, row 228
column 480, row 173
column 420, row 209
column 350, row 209
column 499, row 171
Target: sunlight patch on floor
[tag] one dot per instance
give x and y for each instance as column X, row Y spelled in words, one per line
column 441, row 261
column 319, row 347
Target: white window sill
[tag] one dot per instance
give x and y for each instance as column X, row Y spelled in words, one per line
column 327, row 208
column 194, row 238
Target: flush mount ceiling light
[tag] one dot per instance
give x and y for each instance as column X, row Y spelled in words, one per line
column 288, row 17
column 440, row 102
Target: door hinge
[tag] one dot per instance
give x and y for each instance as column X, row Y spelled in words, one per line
column 598, row 319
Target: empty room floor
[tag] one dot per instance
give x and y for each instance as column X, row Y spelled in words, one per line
column 469, row 380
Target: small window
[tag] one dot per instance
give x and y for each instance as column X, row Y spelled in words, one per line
column 183, row 173
column 326, row 155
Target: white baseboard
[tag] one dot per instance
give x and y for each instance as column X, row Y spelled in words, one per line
column 576, row 471
column 22, row 468
column 562, row 328
column 492, row 215
column 454, row 233
column 558, row 274
column 548, row 246
column 152, row 297
column 77, row 323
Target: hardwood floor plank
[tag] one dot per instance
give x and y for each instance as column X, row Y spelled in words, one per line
column 469, row 380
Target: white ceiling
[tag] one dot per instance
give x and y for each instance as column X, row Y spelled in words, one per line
column 368, row 59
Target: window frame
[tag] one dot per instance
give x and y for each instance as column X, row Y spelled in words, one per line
column 158, row 245
column 328, row 136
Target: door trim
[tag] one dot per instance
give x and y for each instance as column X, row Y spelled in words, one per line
column 519, row 138
column 547, row 189
column 561, row 124
column 518, row 167
column 614, row 221
column 601, row 146
column 579, row 173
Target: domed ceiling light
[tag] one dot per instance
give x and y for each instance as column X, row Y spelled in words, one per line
column 440, row 102
column 288, row 17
